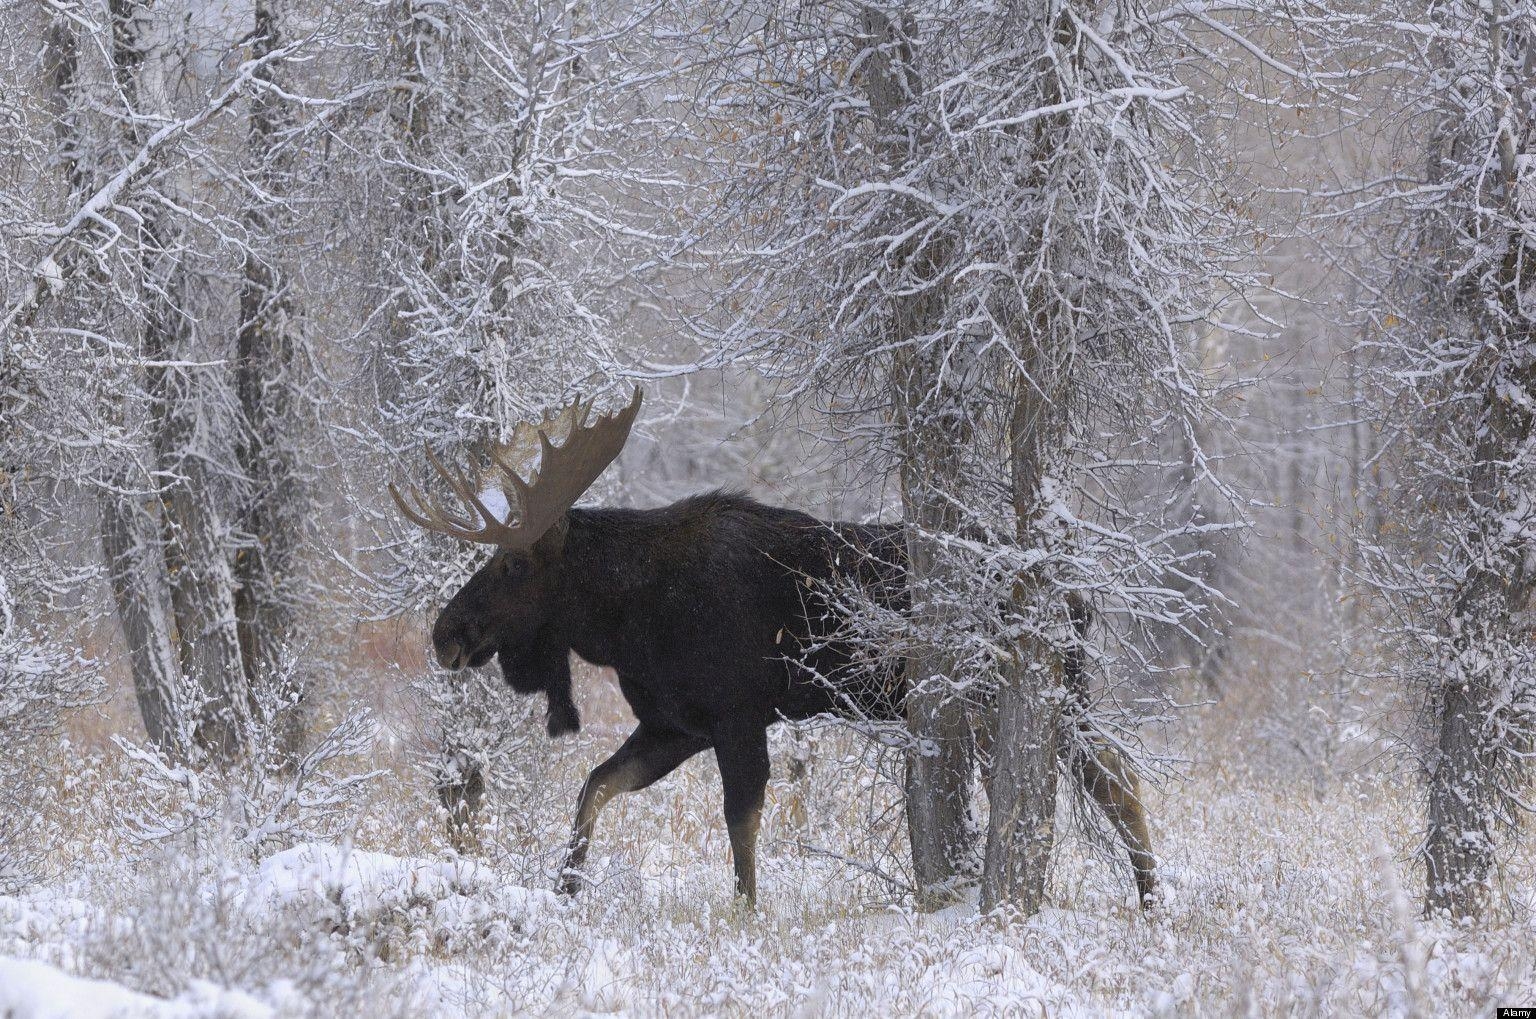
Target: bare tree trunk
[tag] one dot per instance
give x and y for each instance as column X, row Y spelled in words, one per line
column 1459, row 845
column 196, row 570
column 130, row 535
column 1021, row 791
column 1209, row 652
column 1358, row 437
column 1483, row 741
column 200, row 579
column 940, row 766
column 131, row 531
column 460, row 779
column 270, row 376
column 1297, row 483
column 196, row 542
column 1481, row 745
column 933, row 428
column 130, row 542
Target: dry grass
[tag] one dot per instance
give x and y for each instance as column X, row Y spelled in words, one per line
column 1288, row 890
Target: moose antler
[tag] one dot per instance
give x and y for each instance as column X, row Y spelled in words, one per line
column 564, row 473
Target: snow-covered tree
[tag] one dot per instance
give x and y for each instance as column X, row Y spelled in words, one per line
column 1449, row 365
column 126, row 289
column 495, row 184
column 993, row 230
column 277, row 384
column 47, row 421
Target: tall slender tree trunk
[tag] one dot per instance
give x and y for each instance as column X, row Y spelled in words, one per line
column 270, row 378
column 1021, row 791
column 414, row 114
column 933, row 428
column 193, row 538
column 1209, row 652
column 130, row 528
column 941, row 764
column 1359, row 437
column 196, row 538
column 130, row 542
column 1459, row 848
column 1481, row 745
column 1483, row 735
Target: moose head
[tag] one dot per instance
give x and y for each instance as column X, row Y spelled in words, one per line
column 510, row 608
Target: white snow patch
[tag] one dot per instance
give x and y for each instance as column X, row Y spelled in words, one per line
column 48, row 917
column 495, row 500
column 35, row 990
column 604, row 980
column 365, row 884
column 51, row 274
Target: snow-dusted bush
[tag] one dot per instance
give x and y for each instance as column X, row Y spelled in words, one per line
column 39, row 681
column 1277, row 900
column 266, row 799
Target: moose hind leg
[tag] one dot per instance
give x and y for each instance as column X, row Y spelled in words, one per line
column 647, row 756
column 743, row 763
column 1109, row 780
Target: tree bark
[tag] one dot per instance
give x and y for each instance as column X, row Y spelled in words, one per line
column 414, row 114
column 1482, row 742
column 270, row 378
column 1480, row 747
column 196, row 540
column 1021, row 791
column 1459, row 843
column 933, row 428
column 130, row 542
column 130, row 536
column 194, row 537
column 941, row 763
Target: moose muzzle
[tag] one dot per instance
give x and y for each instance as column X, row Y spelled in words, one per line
column 450, row 655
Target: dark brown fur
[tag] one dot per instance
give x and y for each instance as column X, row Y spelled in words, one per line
column 709, row 612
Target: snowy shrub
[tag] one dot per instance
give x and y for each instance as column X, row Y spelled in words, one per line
column 38, row 683
column 263, row 801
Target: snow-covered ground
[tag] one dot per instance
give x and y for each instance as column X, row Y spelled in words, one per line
column 1283, row 893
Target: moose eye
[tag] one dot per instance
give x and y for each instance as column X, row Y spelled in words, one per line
column 512, row 567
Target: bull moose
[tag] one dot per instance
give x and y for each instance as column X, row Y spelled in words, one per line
column 707, row 609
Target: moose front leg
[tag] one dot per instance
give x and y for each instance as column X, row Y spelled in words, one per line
column 648, row 755
column 743, row 761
